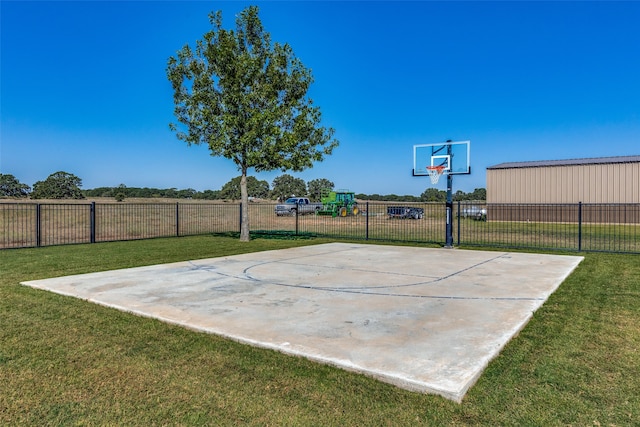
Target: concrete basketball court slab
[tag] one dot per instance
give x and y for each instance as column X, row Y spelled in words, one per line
column 427, row 320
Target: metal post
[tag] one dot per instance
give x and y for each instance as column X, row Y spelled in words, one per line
column 449, row 227
column 458, row 221
column 579, row 226
column 177, row 219
column 449, row 236
column 297, row 214
column 366, row 221
column 92, row 222
column 38, row 233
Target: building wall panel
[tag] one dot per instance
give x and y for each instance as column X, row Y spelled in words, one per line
column 589, row 183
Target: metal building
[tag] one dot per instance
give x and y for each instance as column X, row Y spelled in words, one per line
column 594, row 180
column 591, row 182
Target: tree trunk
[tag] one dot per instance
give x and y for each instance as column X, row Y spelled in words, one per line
column 244, row 200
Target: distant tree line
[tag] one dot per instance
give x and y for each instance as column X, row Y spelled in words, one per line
column 429, row 195
column 58, row 185
column 122, row 191
column 63, row 185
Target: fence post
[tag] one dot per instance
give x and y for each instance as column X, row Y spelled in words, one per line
column 177, row 219
column 38, row 231
column 297, row 214
column 458, row 221
column 366, row 223
column 240, row 219
column 579, row 226
column 92, row 222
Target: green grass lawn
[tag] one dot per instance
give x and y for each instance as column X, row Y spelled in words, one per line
column 64, row 361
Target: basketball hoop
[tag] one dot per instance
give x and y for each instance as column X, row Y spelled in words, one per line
column 435, row 172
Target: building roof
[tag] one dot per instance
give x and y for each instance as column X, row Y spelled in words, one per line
column 568, row 162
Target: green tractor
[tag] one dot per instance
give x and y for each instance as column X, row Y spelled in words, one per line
column 338, row 203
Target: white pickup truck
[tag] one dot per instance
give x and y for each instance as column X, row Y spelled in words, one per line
column 297, row 206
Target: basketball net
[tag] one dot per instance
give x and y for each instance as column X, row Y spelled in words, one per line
column 435, row 172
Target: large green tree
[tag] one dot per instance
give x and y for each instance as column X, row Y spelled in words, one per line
column 246, row 98
column 58, row 185
column 434, row 195
column 478, row 194
column 285, row 186
column 11, row 187
column 255, row 188
column 316, row 187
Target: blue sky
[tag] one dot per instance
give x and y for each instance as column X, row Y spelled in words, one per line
column 84, row 87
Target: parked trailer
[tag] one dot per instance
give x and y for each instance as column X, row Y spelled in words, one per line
column 405, row 212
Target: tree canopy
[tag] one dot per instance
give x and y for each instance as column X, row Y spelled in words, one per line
column 58, row 185
column 434, row 195
column 317, row 186
column 11, row 187
column 246, row 99
column 255, row 188
column 285, row 186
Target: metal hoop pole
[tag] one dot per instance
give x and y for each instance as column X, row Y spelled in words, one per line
column 449, row 228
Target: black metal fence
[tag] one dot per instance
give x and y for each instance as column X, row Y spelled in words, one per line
column 571, row 227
